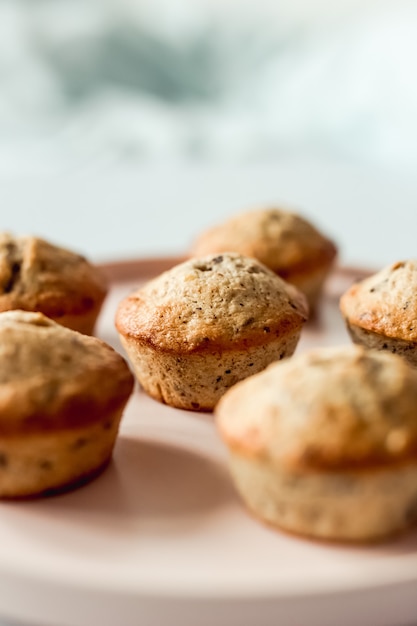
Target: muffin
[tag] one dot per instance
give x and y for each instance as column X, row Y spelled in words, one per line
column 285, row 242
column 62, row 395
column 381, row 311
column 197, row 329
column 325, row 444
column 38, row 276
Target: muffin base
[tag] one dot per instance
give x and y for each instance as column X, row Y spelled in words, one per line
column 311, row 284
column 197, row 381
column 361, row 506
column 369, row 339
column 83, row 322
column 49, row 463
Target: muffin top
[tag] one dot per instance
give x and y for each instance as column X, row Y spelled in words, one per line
column 224, row 301
column 385, row 303
column 283, row 241
column 328, row 409
column 38, row 276
column 54, row 378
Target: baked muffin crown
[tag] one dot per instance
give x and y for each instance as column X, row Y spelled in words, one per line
column 328, row 409
column 55, row 378
column 385, row 303
column 38, row 276
column 215, row 301
column 282, row 240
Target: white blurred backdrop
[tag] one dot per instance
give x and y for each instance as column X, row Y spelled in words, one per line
column 87, row 83
column 128, row 126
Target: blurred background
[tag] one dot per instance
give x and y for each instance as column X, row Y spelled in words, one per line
column 320, row 94
column 99, row 81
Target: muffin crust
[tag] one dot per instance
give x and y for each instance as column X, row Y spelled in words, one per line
column 200, row 327
column 385, row 303
column 283, row 241
column 381, row 311
column 38, row 276
column 61, row 399
column 313, row 439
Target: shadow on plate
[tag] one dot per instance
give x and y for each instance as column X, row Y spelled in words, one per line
column 148, row 483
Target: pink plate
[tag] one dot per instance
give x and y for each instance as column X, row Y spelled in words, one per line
column 160, row 538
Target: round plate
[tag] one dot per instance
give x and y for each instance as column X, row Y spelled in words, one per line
column 160, row 538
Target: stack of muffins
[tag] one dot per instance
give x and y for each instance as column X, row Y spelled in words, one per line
column 323, row 444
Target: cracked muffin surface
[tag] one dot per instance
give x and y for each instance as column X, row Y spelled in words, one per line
column 227, row 314
column 62, row 394
column 38, row 276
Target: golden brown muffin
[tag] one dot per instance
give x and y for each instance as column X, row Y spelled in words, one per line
column 381, row 311
column 62, row 395
column 285, row 242
column 325, row 444
column 37, row 276
column 197, row 329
